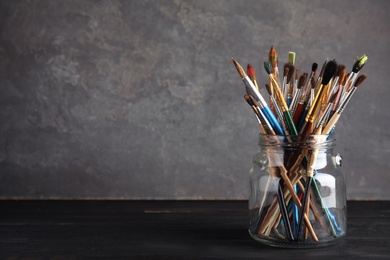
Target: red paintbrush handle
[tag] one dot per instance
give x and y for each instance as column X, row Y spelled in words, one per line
column 297, row 114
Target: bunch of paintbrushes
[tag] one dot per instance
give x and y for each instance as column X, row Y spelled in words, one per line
column 300, row 107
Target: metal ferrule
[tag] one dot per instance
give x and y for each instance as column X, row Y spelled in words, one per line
column 349, row 79
column 349, row 83
column 334, row 85
column 264, row 120
column 307, row 87
column 249, row 84
column 310, row 101
column 277, row 109
column 284, row 83
column 315, row 105
column 348, row 97
column 294, row 101
column 285, row 91
column 324, row 116
column 295, row 86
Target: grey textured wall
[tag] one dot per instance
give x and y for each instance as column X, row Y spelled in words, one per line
column 139, row 99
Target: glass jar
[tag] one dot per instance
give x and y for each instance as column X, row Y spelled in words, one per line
column 282, row 212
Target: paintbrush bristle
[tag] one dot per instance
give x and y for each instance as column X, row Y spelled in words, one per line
column 291, row 57
column 360, row 80
column 290, row 74
column 329, row 71
column 314, row 67
column 333, row 97
column 340, row 70
column 248, row 100
column 254, row 101
column 359, row 63
column 273, row 57
column 312, row 83
column 240, row 70
column 302, row 80
column 285, row 70
column 297, row 74
column 251, row 72
column 268, row 67
column 343, row 77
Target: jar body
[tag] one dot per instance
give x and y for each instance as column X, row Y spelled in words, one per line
column 297, row 193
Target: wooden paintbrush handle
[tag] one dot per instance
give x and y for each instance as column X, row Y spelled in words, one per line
column 332, row 122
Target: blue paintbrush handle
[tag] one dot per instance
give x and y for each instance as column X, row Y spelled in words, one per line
column 272, row 120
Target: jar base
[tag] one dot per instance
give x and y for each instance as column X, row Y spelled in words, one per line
column 292, row 244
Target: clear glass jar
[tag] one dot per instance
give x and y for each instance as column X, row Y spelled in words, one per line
column 282, row 213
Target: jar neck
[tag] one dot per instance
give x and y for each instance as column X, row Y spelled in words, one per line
column 320, row 142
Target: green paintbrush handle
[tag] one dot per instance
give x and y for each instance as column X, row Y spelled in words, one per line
column 290, row 123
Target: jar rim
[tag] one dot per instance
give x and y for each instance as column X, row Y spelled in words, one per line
column 291, row 141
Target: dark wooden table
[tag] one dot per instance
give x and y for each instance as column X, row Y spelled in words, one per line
column 169, row 229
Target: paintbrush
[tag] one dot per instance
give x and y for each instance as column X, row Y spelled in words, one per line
column 343, row 78
column 329, row 72
column 272, row 104
column 263, row 130
column 298, row 93
column 320, row 76
column 307, row 103
column 303, row 97
column 273, row 59
column 313, row 158
column 282, row 103
column 289, row 79
column 337, row 79
column 252, row 75
column 275, row 105
column 340, row 109
column 313, row 72
column 328, row 111
column 270, row 216
column 311, row 164
column 290, row 126
column 357, row 66
column 297, row 105
column 262, row 103
column 293, row 90
column 268, row 130
column 263, row 119
column 323, row 99
column 331, row 88
column 284, row 82
column 283, row 211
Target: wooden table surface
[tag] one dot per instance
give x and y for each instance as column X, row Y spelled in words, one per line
column 169, row 229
